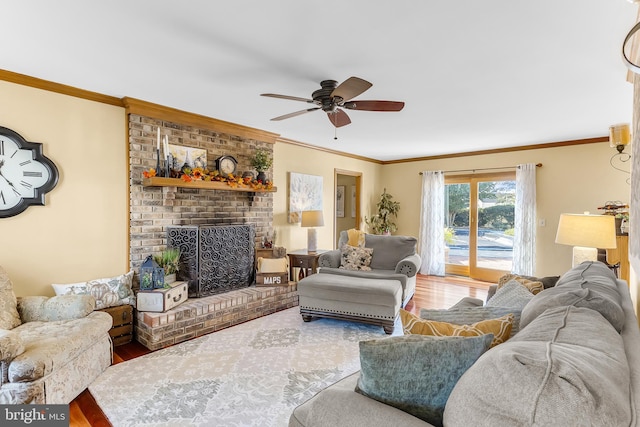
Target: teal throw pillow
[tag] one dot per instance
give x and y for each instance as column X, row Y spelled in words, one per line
column 416, row 373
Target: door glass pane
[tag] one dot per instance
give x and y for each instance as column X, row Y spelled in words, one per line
column 496, row 208
column 456, row 217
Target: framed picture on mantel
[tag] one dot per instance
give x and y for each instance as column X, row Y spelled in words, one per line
column 187, row 156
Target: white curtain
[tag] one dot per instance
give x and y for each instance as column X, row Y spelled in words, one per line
column 524, row 241
column 432, row 223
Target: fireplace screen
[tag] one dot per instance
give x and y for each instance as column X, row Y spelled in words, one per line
column 215, row 258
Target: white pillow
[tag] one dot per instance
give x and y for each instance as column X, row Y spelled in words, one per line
column 108, row 291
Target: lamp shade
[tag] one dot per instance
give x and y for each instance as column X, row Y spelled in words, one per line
column 312, row 219
column 619, row 135
column 591, row 231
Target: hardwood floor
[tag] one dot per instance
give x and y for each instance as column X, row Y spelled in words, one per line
column 431, row 292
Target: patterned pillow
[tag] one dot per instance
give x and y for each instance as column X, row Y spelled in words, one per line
column 512, row 294
column 469, row 315
column 534, row 286
column 416, row 373
column 108, row 292
column 500, row 327
column 355, row 258
column 9, row 317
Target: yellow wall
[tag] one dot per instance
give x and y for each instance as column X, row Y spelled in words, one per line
column 293, row 158
column 573, row 179
column 81, row 232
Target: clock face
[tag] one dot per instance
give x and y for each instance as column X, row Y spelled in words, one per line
column 25, row 174
column 226, row 165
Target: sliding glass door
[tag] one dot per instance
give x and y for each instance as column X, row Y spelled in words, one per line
column 479, row 221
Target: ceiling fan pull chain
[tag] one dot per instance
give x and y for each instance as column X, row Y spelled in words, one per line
column 335, row 134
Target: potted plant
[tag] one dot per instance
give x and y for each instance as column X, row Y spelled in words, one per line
column 261, row 161
column 383, row 221
column 169, row 259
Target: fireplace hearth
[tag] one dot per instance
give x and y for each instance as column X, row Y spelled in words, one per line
column 215, row 258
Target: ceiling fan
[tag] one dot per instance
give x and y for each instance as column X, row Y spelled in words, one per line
column 333, row 98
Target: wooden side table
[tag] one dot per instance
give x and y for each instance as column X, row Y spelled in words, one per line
column 620, row 255
column 306, row 261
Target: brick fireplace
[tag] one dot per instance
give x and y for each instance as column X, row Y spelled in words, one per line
column 153, row 210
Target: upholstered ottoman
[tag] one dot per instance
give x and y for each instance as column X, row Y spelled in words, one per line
column 374, row 301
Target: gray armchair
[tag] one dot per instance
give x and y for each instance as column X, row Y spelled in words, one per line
column 394, row 257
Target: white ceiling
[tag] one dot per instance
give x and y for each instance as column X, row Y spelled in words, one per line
column 474, row 75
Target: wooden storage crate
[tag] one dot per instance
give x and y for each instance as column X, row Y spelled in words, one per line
column 272, row 279
column 122, row 330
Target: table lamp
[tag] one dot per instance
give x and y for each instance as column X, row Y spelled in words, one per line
column 312, row 219
column 586, row 233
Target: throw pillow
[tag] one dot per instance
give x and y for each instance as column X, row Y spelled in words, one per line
column 513, row 294
column 9, row 317
column 534, row 286
column 355, row 258
column 416, row 373
column 62, row 307
column 272, row 265
column 356, row 237
column 108, row 292
column 547, row 281
column 469, row 315
column 500, row 328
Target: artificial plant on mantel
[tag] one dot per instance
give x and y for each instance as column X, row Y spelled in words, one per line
column 383, row 221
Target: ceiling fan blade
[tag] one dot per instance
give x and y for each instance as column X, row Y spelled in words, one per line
column 374, row 105
column 339, row 118
column 297, row 113
column 293, row 98
column 350, row 88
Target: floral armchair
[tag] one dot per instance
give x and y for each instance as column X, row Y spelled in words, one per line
column 51, row 349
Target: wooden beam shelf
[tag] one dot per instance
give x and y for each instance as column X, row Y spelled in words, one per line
column 207, row 185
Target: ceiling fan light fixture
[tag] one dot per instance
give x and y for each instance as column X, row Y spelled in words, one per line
column 332, row 97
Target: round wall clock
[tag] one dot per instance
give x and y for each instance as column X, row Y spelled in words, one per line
column 226, row 165
column 25, row 174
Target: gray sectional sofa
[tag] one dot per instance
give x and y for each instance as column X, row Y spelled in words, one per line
column 575, row 361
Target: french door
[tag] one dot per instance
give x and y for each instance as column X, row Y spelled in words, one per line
column 479, row 225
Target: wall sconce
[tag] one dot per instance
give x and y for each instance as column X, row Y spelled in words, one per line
column 619, row 138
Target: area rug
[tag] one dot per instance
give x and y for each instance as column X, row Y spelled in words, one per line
column 253, row 374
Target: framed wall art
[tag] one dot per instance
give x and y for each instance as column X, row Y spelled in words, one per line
column 187, row 156
column 305, row 193
column 353, row 201
column 340, row 195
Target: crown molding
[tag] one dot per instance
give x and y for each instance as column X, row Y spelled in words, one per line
column 503, row 150
column 327, row 150
column 37, row 83
column 137, row 106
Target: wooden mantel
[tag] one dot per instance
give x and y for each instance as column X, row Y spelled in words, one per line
column 207, row 185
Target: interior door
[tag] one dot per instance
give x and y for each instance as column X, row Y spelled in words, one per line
column 479, row 225
column 347, row 201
